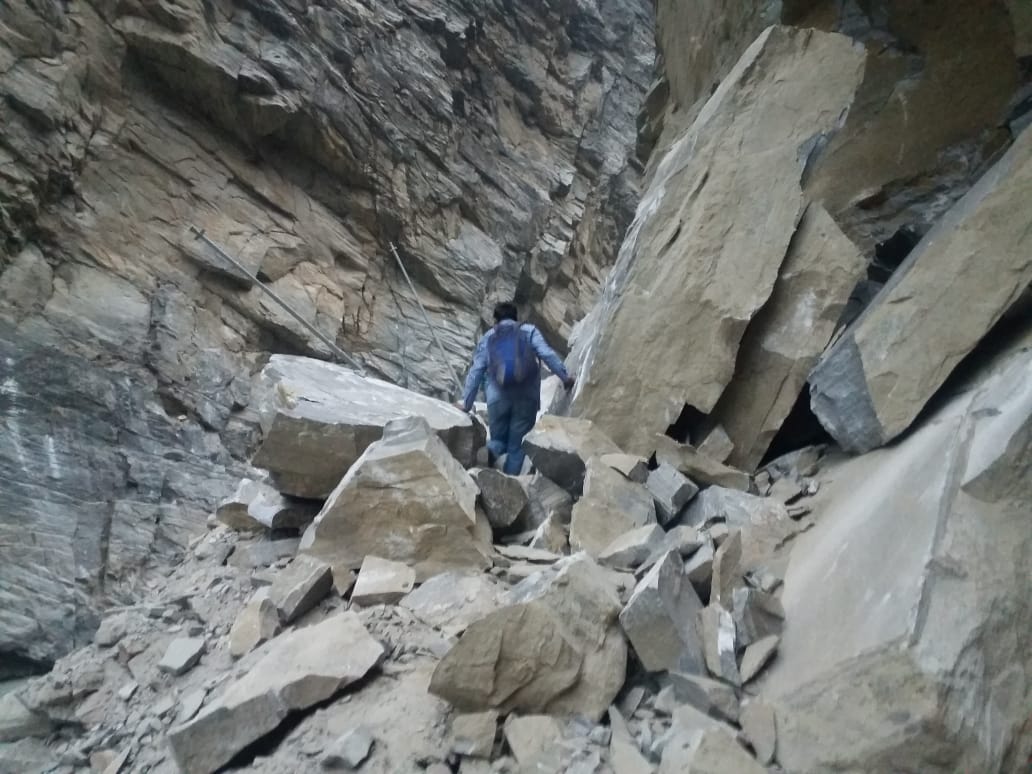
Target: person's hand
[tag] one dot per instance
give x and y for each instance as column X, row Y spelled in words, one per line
column 568, row 383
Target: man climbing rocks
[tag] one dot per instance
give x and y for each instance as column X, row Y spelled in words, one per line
column 508, row 357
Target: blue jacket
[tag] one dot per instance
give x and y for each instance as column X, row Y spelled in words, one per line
column 529, row 389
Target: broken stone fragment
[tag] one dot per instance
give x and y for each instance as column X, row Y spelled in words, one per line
column 660, row 619
column 671, row 490
column 738, row 509
column 633, row 548
column 191, row 704
column 727, row 570
column 610, row 507
column 757, row 615
column 531, row 738
column 632, row 467
column 502, row 497
column 318, row 418
column 624, row 754
column 258, row 622
column 560, row 448
column 263, row 553
column 182, row 655
column 406, row 499
column 757, row 656
column 299, row 669
column 546, row 502
column 713, row 697
column 699, row 568
column 527, row 554
column 382, row 582
column 711, row 751
column 551, row 536
column 696, row 465
column 299, row 587
column 257, row 506
column 720, row 643
column 349, row 751
column 452, row 601
column 717, row 446
column 473, row 734
column 760, row 729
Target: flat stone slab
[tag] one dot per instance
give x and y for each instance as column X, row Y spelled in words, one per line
column 318, row 418
column 300, row 586
column 182, row 655
column 560, row 448
column 452, row 601
column 382, row 582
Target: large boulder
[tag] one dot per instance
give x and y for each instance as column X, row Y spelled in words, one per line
column 784, row 340
column 296, row 671
column 955, row 285
column 560, row 448
column 611, row 506
column 909, row 606
column 555, row 647
column 318, row 418
column 406, row 499
column 723, row 205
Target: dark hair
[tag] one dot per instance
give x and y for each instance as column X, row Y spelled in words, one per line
column 505, row 311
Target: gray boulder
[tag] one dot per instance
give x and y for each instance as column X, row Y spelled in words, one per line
column 611, row 506
column 560, row 448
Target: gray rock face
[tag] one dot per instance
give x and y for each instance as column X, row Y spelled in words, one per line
column 300, row 669
column 611, row 506
column 406, row 499
column 635, row 377
column 874, row 381
column 302, row 143
column 660, row 619
column 941, row 531
column 18, row 722
column 560, row 448
column 633, row 548
column 318, row 419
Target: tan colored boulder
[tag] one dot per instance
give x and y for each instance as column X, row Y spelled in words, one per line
column 257, row 506
column 611, row 506
column 700, row 468
column 300, row 669
column 318, row 418
column 560, row 448
column 723, row 204
column 382, row 582
column 258, row 622
column 406, row 499
column 300, row 586
column 952, row 288
column 452, row 601
column 784, row 340
column 711, row 751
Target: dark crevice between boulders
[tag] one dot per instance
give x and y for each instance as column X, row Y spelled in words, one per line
column 801, row 428
column 690, row 424
column 14, row 666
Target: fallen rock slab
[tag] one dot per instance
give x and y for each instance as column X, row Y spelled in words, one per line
column 633, row 468
column 257, row 506
column 502, row 497
column 474, row 734
column 757, row 615
column 258, row 622
column 452, row 601
column 878, row 376
column 406, row 499
column 720, row 643
column 713, row 697
column 698, row 466
column 349, row 751
column 299, row 587
column 671, row 490
column 560, row 448
column 633, row 548
column 712, row 751
column 18, row 722
column 758, row 655
column 182, row 655
column 318, row 418
column 530, row 737
column 660, row 619
column 760, row 729
column 299, row 669
column 382, row 582
column 611, row 506
column 738, row 509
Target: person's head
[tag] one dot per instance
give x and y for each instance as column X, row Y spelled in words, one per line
column 505, row 311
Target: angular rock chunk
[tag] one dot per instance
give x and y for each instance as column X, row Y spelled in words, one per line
column 610, row 507
column 700, row 468
column 557, row 625
column 727, row 570
column 713, row 697
column 699, row 568
column 950, row 290
column 713, row 751
column 738, row 509
column 758, row 655
column 757, row 615
column 300, row 669
column 382, row 582
column 720, row 643
column 248, row 556
column 318, row 418
column 697, row 233
column 717, row 445
column 560, row 448
column 474, row 734
column 406, row 499
column 530, row 737
column 546, row 502
column 633, row 548
column 452, row 601
column 257, row 506
column 503, row 497
column 111, row 630
column 671, row 491
column 18, row 722
column 624, row 754
column 634, row 468
column 783, row 341
column 760, row 729
column 350, row 750
column 660, row 619
column 258, row 622
column 300, row 586
column 182, row 655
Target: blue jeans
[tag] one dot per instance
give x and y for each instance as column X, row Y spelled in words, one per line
column 509, row 419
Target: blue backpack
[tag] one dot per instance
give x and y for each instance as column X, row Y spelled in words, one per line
column 511, row 358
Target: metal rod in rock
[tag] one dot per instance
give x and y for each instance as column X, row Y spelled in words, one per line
column 199, row 234
column 426, row 318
